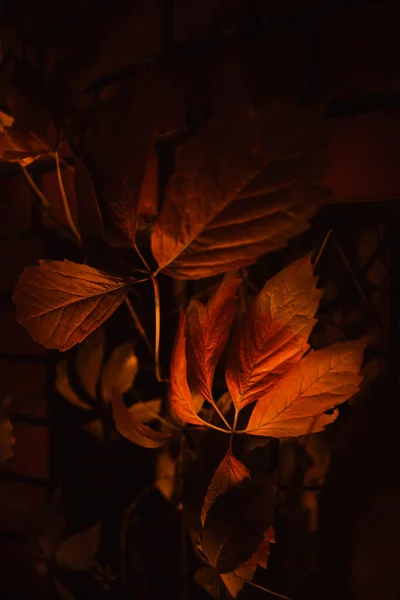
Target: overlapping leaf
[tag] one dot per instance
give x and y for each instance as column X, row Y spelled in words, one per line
column 321, row 381
column 131, row 428
column 229, row 473
column 60, row 303
column 180, row 397
column 273, row 333
column 240, row 189
column 208, row 327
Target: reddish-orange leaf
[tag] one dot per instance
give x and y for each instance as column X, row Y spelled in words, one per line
column 128, row 426
column 180, row 398
column 241, row 188
column 60, row 303
column 229, row 473
column 273, row 333
column 208, row 326
column 321, row 381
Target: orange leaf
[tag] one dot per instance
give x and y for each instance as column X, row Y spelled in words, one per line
column 60, row 303
column 273, row 333
column 321, row 381
column 128, row 426
column 238, row 192
column 180, row 398
column 229, row 473
column 208, row 327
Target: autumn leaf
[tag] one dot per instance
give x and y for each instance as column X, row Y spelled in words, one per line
column 129, row 427
column 208, row 327
column 229, row 473
column 116, row 147
column 60, row 303
column 319, row 382
column 180, row 397
column 273, row 333
column 120, row 370
column 238, row 192
column 234, row 580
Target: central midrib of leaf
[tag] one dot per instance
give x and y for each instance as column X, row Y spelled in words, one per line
column 82, row 299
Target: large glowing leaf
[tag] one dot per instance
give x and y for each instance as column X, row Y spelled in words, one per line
column 60, row 303
column 129, row 427
column 319, row 382
column 229, row 473
column 242, row 188
column 180, row 398
column 273, row 333
column 208, row 327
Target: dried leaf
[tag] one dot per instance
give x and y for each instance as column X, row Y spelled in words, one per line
column 89, row 359
column 180, row 398
column 229, row 473
column 273, row 333
column 208, row 327
column 60, row 303
column 120, row 371
column 77, row 552
column 321, row 381
column 129, row 427
column 64, row 388
column 237, row 193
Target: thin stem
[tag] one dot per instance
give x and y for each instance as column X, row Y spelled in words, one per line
column 138, row 325
column 157, row 308
column 65, row 200
column 38, row 192
column 217, row 428
column 322, row 248
column 260, row 587
column 214, row 405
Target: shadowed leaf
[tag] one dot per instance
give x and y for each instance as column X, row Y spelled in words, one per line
column 120, row 371
column 238, row 192
column 273, row 333
column 60, row 303
column 321, row 381
column 7, row 439
column 128, row 426
column 208, row 327
column 229, row 473
column 89, row 359
column 77, row 552
column 63, row 386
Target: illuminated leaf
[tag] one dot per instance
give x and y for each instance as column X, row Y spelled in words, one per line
column 229, row 473
column 273, row 333
column 128, row 426
column 240, row 189
column 208, row 327
column 180, row 398
column 165, row 475
column 321, row 381
column 145, row 412
column 60, row 303
column 120, row 371
column 89, row 360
